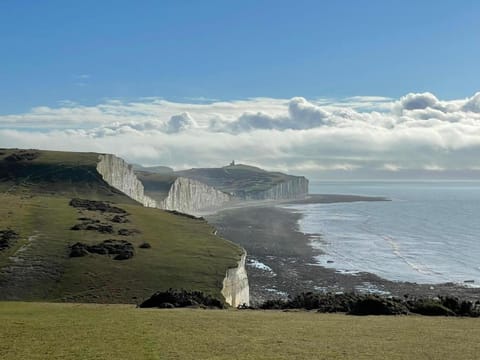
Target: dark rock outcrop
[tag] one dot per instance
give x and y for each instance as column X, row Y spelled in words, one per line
column 128, row 232
column 121, row 249
column 93, row 205
column 22, row 155
column 120, row 219
column 7, row 237
column 101, row 228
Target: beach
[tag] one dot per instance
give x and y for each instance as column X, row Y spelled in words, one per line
column 281, row 261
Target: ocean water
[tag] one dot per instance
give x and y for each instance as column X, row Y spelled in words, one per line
column 428, row 233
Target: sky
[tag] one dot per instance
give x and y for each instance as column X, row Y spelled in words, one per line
column 328, row 89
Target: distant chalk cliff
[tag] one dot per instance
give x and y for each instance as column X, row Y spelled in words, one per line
column 191, row 196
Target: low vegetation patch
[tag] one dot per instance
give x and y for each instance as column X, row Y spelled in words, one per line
column 365, row 304
column 121, row 249
column 94, row 205
column 120, row 219
column 173, row 298
column 128, row 232
column 7, row 237
column 94, row 225
column 22, row 155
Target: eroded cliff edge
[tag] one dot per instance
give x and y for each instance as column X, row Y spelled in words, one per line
column 120, row 175
column 235, row 284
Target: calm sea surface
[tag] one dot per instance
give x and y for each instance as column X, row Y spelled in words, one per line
column 428, row 233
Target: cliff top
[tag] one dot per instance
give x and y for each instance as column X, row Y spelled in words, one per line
column 239, row 178
column 54, row 172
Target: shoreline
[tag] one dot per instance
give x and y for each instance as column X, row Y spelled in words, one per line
column 281, row 262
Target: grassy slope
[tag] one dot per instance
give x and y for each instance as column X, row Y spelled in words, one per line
column 78, row 331
column 184, row 253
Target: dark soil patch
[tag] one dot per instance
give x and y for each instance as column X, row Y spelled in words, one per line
column 181, row 298
column 122, row 249
column 22, row 155
column 128, row 232
column 7, row 237
column 101, row 228
column 93, row 205
column 120, row 219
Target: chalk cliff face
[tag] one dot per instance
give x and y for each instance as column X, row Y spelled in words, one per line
column 295, row 188
column 192, row 197
column 235, row 285
column 118, row 174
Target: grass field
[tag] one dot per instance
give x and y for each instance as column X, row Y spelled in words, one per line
column 184, row 254
column 34, row 202
column 81, row 331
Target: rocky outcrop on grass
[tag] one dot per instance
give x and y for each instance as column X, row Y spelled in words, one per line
column 93, row 225
column 23, row 155
column 7, row 237
column 128, row 232
column 119, row 249
column 173, row 298
column 120, row 219
column 94, row 205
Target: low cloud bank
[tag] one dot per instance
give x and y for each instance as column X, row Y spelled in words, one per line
column 417, row 132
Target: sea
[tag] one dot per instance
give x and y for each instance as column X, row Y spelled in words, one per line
column 428, row 233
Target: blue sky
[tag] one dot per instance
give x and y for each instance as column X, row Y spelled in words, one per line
column 89, row 51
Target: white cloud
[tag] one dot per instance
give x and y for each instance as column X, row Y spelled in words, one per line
column 181, row 122
column 417, row 131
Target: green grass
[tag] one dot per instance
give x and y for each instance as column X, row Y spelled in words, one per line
column 79, row 331
column 34, row 197
column 184, row 254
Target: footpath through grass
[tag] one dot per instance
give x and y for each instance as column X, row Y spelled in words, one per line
column 80, row 331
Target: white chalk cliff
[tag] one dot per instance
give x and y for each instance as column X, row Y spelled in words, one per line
column 120, row 175
column 294, row 188
column 192, row 197
column 235, row 285
column 185, row 195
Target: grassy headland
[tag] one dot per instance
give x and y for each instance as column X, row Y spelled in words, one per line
column 35, row 192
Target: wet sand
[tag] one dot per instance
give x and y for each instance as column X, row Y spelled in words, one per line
column 271, row 237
